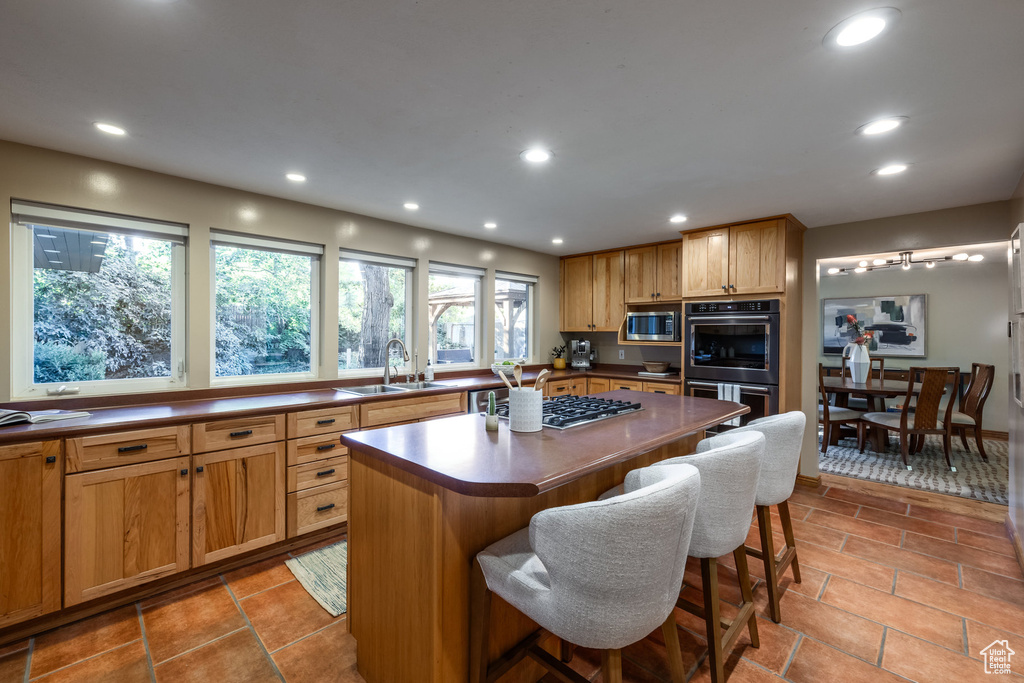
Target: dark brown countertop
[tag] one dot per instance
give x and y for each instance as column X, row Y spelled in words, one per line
column 459, row 454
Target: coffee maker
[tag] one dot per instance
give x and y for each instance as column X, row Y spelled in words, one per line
column 582, row 356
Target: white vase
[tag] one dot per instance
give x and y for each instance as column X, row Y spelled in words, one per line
column 858, row 361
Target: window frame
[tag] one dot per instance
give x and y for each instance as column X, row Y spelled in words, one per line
column 24, row 215
column 260, row 243
column 410, row 333
column 479, row 313
column 531, row 282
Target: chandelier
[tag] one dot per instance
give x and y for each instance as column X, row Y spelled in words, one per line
column 905, row 261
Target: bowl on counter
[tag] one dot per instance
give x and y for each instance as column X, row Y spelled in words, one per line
column 656, row 366
column 501, row 369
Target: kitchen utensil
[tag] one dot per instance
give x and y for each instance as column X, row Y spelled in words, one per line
column 655, row 366
column 542, row 377
column 518, row 372
column 504, row 378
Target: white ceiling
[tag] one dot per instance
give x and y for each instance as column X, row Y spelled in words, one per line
column 722, row 110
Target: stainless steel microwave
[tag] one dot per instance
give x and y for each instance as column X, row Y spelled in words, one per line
column 653, row 326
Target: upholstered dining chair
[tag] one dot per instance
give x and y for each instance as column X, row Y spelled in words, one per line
column 601, row 575
column 925, row 418
column 967, row 416
column 832, row 417
column 783, row 435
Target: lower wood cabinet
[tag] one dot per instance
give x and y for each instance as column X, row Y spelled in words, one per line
column 124, row 526
column 317, row 507
column 626, row 384
column 29, row 530
column 662, row 388
column 574, row 386
column 598, row 385
column 238, row 500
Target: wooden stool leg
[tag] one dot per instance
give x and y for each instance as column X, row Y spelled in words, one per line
column 771, row 574
column 713, row 617
column 566, row 650
column 611, row 665
column 787, row 532
column 674, row 649
column 479, row 624
column 743, row 572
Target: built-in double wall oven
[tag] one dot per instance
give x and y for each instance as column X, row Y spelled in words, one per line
column 731, row 352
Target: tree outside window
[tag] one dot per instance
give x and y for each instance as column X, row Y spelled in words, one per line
column 511, row 318
column 372, row 309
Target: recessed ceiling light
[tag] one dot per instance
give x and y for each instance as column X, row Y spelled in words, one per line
column 536, row 155
column 891, row 169
column 975, row 258
column 861, row 27
column 859, row 270
column 295, row 177
column 678, row 218
column 490, row 225
column 879, row 262
column 863, row 264
column 929, row 264
column 882, row 125
column 959, row 257
column 412, row 206
column 557, row 240
column 833, row 271
column 110, row 128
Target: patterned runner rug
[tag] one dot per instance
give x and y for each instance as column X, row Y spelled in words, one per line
column 322, row 573
column 974, row 477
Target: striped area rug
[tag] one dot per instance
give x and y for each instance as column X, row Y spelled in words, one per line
column 322, row 573
column 974, row 478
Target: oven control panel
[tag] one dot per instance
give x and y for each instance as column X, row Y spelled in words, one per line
column 757, row 306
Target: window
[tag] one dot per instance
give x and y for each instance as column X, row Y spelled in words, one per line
column 373, row 307
column 265, row 299
column 513, row 310
column 103, row 303
column 454, row 302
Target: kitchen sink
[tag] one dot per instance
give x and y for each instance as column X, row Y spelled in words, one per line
column 412, row 386
column 373, row 389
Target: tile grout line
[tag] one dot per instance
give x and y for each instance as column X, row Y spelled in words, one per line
column 28, row 660
column 248, row 623
column 960, row 574
column 967, row 643
column 145, row 643
column 895, row 575
column 792, row 655
column 881, row 647
column 202, row 645
column 310, row 635
column 824, row 585
column 80, row 661
column 261, row 592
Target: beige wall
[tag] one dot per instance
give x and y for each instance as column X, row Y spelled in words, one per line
column 948, row 227
column 1016, row 513
column 36, row 174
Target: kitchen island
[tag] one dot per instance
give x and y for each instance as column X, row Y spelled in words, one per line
column 424, row 498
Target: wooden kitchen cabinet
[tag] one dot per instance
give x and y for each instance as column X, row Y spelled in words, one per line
column 242, row 431
column 238, row 501
column 592, row 294
column 706, row 263
column 571, row 386
column 661, row 388
column 597, row 385
column 29, row 530
column 127, row 448
column 125, row 526
column 652, row 273
column 626, row 384
column 391, row 411
column 757, row 257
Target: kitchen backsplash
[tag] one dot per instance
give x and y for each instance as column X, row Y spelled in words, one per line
column 607, row 346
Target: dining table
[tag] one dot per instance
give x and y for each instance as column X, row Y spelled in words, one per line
column 876, row 389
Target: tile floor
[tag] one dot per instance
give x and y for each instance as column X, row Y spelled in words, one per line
column 890, row 592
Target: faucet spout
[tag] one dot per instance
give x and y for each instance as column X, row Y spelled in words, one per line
column 387, row 357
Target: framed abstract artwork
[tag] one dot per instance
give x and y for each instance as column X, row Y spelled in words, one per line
column 897, row 321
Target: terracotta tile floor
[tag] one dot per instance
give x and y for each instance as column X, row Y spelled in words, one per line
column 890, row 592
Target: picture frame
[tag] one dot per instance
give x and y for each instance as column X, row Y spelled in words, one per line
column 898, row 322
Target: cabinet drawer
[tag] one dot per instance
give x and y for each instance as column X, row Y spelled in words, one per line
column 314, row 448
column 413, row 408
column 314, row 422
column 317, row 508
column 661, row 388
column 331, row 471
column 626, row 384
column 242, row 431
column 561, row 388
column 86, row 453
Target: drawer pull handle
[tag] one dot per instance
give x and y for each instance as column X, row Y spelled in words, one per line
column 324, row 508
column 184, row 472
column 658, row 391
column 244, row 432
column 325, row 422
column 325, row 473
column 51, row 459
column 326, row 447
column 199, row 469
column 136, row 447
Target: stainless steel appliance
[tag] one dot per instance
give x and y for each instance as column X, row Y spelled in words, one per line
column 732, row 353
column 574, row 411
column 581, row 356
column 653, row 326
column 478, row 399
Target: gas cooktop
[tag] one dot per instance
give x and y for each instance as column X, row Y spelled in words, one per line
column 573, row 411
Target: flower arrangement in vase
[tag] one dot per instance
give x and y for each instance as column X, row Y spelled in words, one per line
column 558, row 361
column 856, row 351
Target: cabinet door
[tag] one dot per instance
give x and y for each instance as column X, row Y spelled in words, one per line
column 599, row 385
column 609, row 308
column 124, row 526
column 627, row 384
column 669, row 270
column 757, row 257
column 578, row 387
column 29, row 530
column 641, row 280
column 562, row 387
column 661, row 388
column 706, row 263
column 577, row 309
column 238, row 501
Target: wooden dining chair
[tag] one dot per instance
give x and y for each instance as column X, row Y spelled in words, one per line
column 924, row 419
column 832, row 417
column 967, row 416
column 864, row 402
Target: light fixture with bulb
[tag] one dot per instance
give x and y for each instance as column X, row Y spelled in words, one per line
column 536, row 155
column 906, row 261
column 677, row 218
column 861, row 27
column 890, row 169
column 880, row 126
column 411, row 206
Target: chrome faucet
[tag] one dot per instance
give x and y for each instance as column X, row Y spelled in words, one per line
column 387, row 358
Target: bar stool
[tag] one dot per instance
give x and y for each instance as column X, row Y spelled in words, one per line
column 784, row 435
column 602, row 574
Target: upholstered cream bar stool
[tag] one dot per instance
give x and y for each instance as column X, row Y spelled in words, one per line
column 783, row 435
column 602, row 574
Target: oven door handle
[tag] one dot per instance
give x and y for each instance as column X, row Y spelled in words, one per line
column 743, row 387
column 702, row 385
column 736, row 318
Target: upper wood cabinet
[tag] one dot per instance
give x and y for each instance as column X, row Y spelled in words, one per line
column 29, row 530
column 746, row 258
column 652, row 273
column 592, row 292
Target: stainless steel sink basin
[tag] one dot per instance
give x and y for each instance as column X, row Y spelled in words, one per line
column 412, row 386
column 373, row 389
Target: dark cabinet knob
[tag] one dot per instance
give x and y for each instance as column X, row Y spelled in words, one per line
column 324, row 508
column 244, row 432
column 50, row 459
column 724, row 288
column 199, row 469
column 184, row 472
